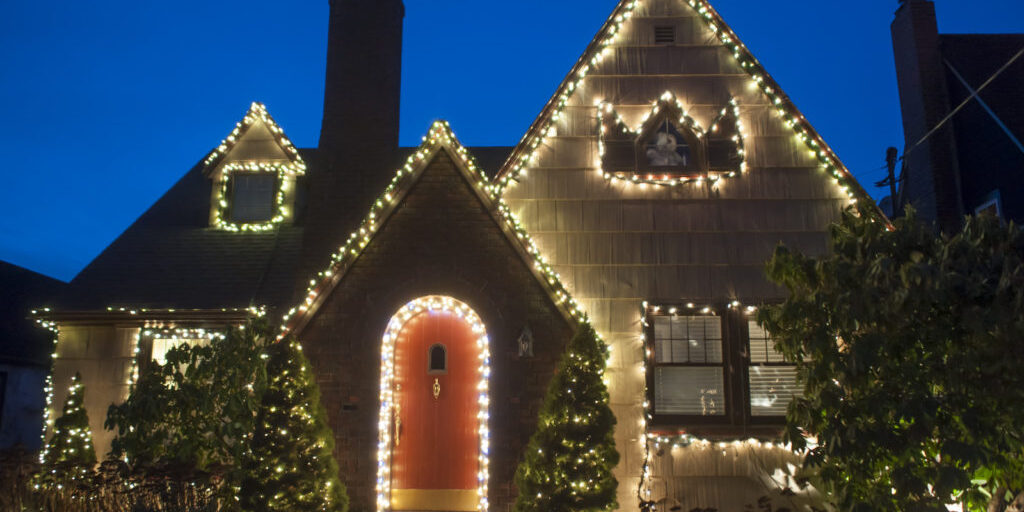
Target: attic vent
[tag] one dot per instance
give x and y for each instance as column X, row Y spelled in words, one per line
column 664, row 34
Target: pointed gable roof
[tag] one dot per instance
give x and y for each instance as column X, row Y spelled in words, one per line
column 543, row 126
column 439, row 139
column 257, row 126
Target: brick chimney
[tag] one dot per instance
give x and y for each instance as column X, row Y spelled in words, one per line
column 364, row 76
column 359, row 134
column 932, row 179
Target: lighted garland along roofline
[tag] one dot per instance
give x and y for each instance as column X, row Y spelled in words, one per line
column 668, row 99
column 439, row 138
column 143, row 315
column 257, row 112
column 543, row 126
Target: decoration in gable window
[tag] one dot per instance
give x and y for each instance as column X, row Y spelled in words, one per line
column 670, row 147
column 254, row 172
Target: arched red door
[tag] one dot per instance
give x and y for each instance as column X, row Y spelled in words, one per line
column 435, row 442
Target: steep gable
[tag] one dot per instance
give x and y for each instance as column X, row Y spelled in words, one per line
column 256, row 138
column 624, row 238
column 604, row 56
column 435, row 231
column 438, row 145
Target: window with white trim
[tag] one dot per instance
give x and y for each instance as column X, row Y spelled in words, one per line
column 714, row 369
column 689, row 376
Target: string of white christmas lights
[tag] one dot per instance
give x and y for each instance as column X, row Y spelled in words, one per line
column 526, row 151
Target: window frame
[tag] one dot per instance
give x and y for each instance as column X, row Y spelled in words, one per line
column 758, row 420
column 738, row 419
column 274, row 206
column 653, row 364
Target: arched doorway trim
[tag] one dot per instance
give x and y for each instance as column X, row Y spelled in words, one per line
column 387, row 397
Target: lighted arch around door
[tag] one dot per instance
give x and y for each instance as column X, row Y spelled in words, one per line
column 427, row 418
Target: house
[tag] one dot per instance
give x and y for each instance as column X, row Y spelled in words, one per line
column 963, row 119
column 434, row 288
column 25, row 355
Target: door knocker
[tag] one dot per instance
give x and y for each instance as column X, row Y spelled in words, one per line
column 437, row 388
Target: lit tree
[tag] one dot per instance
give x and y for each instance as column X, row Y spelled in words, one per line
column 569, row 460
column 908, row 346
column 69, row 457
column 291, row 466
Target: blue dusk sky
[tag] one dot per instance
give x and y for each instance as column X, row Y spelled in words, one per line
column 105, row 104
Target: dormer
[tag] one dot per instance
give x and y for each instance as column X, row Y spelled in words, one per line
column 253, row 172
column 669, row 146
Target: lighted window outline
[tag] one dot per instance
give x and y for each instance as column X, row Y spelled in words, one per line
column 431, row 369
column 286, row 174
column 736, row 362
column 669, row 107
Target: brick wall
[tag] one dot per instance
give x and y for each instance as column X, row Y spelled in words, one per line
column 440, row 241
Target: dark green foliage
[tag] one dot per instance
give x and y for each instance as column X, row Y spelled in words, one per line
column 196, row 412
column 69, row 457
column 913, row 384
column 291, row 467
column 568, row 462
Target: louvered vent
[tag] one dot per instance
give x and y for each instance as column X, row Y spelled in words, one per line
column 664, row 35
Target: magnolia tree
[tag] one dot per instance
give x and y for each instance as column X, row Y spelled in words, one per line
column 194, row 415
column 909, row 347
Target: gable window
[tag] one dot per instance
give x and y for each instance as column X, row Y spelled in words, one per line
column 714, row 369
column 253, row 197
column 669, row 147
column 437, row 359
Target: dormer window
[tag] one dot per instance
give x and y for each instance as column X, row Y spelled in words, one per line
column 669, row 147
column 253, row 197
column 254, row 173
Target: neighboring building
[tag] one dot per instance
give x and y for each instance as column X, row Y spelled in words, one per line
column 969, row 161
column 25, row 355
column 648, row 194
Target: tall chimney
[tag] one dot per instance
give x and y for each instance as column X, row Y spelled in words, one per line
column 932, row 180
column 364, row 75
column 358, row 148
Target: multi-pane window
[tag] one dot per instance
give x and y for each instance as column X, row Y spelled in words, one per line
column 772, row 380
column 161, row 346
column 715, row 369
column 253, row 197
column 688, row 366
